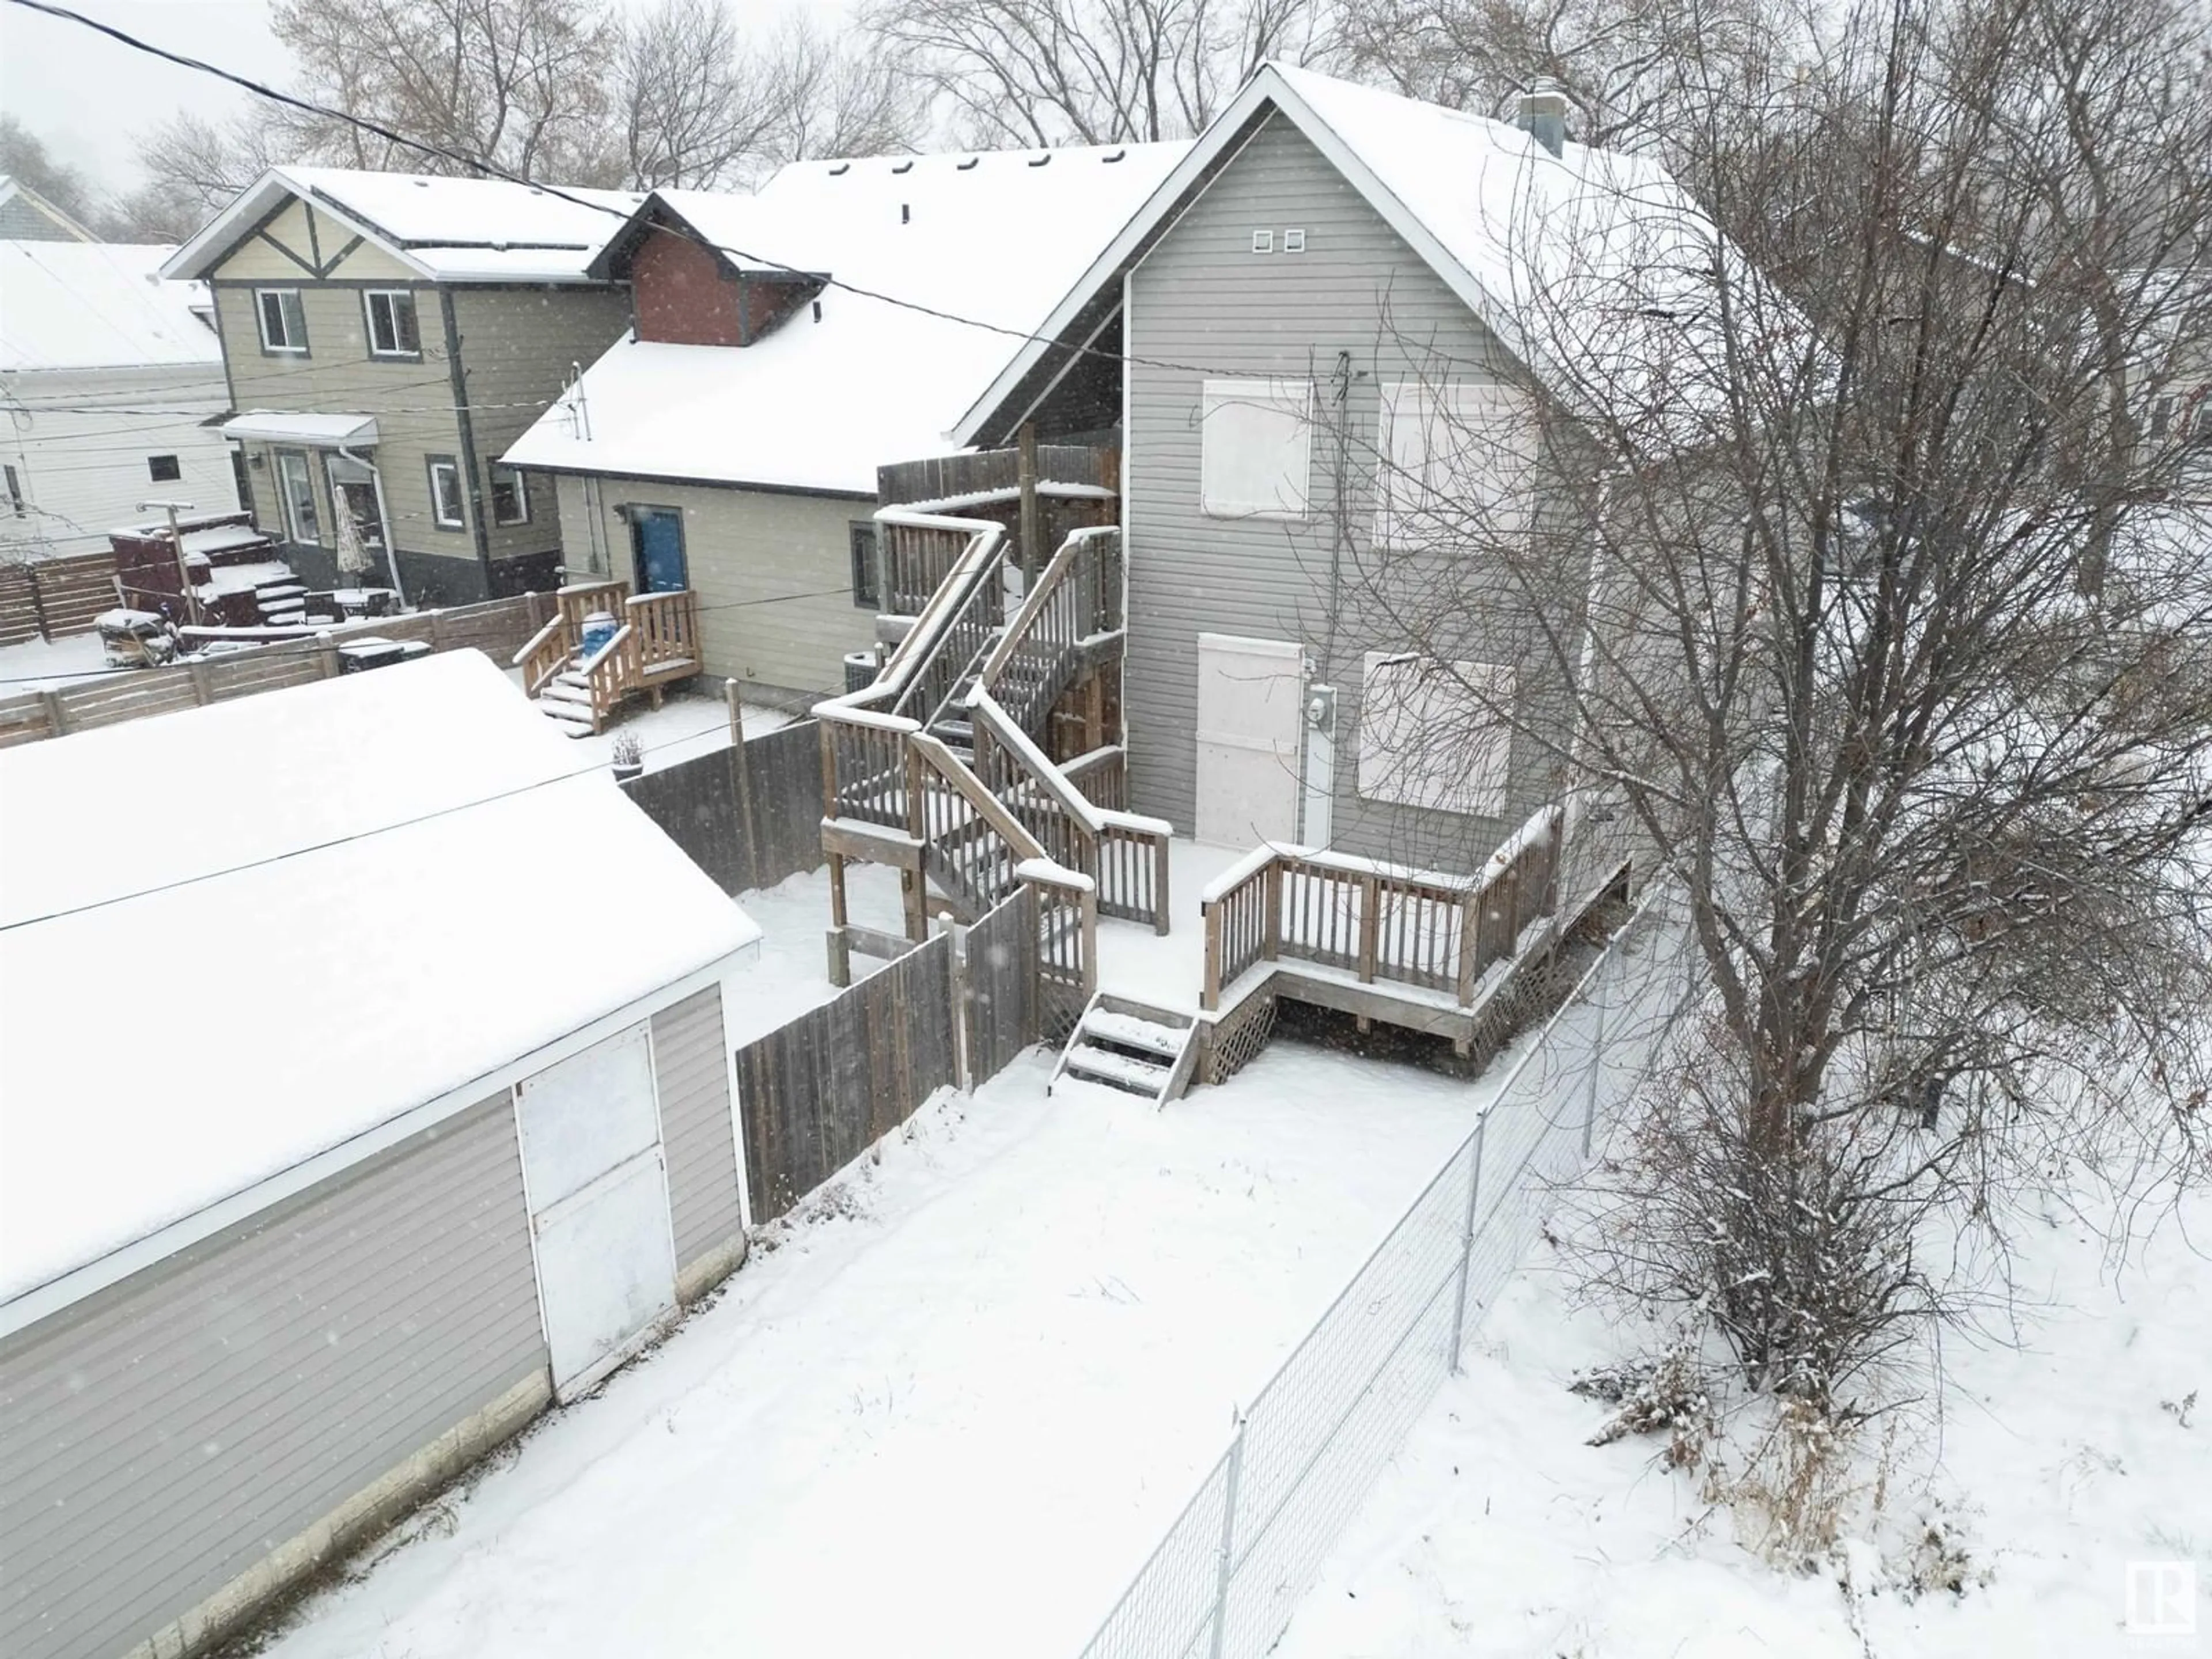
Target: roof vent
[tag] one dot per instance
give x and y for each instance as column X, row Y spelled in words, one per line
column 906, row 212
column 906, row 166
column 970, row 163
column 840, row 169
column 1541, row 113
column 1117, row 155
column 817, row 310
column 1038, row 161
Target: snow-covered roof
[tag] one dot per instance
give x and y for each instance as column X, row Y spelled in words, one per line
column 359, row 899
column 1595, row 267
column 821, row 402
column 29, row 207
column 478, row 230
column 98, row 304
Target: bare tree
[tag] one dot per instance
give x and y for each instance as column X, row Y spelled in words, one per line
column 520, row 85
column 695, row 105
column 1848, row 550
column 1090, row 71
column 840, row 94
column 201, row 166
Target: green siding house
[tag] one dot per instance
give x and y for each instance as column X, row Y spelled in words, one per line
column 385, row 337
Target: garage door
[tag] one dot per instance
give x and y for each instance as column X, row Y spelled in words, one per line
column 598, row 1205
column 1249, row 692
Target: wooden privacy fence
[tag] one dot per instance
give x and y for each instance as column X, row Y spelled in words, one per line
column 51, row 598
column 496, row 627
column 1002, row 996
column 1435, row 933
column 748, row 815
column 814, row 1093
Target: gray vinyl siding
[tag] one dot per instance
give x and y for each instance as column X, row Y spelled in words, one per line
column 1202, row 298
column 22, row 220
column 517, row 347
column 160, row 1438
column 773, row 571
column 692, row 1073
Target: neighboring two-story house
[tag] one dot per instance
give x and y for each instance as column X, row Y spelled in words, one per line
column 386, row 337
column 730, row 444
column 1339, row 295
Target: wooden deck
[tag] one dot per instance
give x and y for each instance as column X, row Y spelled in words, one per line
column 655, row 644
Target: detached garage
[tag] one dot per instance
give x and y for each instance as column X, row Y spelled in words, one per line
column 363, row 1090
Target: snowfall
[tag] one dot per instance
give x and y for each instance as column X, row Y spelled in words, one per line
column 949, row 1406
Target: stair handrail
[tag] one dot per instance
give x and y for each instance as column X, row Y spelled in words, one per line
column 544, row 655
column 1063, row 560
column 1026, row 847
column 913, row 655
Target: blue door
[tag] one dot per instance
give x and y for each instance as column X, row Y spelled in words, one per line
column 656, row 535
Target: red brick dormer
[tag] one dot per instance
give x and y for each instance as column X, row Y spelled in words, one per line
column 686, row 294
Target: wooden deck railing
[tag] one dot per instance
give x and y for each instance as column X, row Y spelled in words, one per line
column 1077, row 599
column 916, row 558
column 667, row 626
column 1378, row 921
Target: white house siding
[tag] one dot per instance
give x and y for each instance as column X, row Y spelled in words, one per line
column 691, row 1069
column 82, row 472
column 162, row 1438
column 773, row 571
column 1202, row 298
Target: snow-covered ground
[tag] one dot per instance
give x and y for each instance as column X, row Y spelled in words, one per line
column 46, row 665
column 2057, row 1463
column 953, row 1408
column 680, row 729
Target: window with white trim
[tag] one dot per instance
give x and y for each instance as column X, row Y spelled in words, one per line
column 391, row 330
column 1453, row 463
column 446, row 509
column 1256, row 443
column 1435, row 734
column 296, row 483
column 283, row 320
column 510, row 496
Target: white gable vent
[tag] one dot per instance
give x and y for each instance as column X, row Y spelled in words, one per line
column 1263, row 241
column 1294, row 241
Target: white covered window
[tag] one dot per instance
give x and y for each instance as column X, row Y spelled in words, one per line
column 283, row 320
column 510, row 496
column 302, row 522
column 392, row 330
column 1453, row 463
column 1256, row 448
column 1435, row 734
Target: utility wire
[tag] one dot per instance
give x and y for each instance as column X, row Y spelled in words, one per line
column 479, row 165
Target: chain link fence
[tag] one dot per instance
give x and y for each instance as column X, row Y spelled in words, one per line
column 1224, row 1581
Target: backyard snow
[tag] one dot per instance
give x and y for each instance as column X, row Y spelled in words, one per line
column 954, row 1410
column 1499, row 1532
column 47, row 665
column 682, row 728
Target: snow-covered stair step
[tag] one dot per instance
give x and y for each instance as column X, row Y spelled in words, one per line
column 1133, row 1032
column 567, row 691
column 565, row 716
column 1117, row 1070
column 1132, row 1046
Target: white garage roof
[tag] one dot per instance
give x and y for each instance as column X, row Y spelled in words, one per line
column 246, row 937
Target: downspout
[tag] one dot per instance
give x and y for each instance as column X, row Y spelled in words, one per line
column 384, row 513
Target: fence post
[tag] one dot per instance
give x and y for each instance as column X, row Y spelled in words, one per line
column 1467, row 1240
column 1228, row 1540
column 741, row 775
column 1601, row 990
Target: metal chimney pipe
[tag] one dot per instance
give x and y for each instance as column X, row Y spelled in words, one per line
column 1541, row 113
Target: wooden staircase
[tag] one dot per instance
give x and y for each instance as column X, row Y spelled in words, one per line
column 1120, row 1043
column 927, row 769
column 655, row 645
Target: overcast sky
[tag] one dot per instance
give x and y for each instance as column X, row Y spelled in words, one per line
column 89, row 96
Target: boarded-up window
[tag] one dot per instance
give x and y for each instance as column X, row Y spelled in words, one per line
column 1452, row 464
column 1256, row 448
column 1435, row 734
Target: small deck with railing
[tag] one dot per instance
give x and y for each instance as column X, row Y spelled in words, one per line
column 654, row 644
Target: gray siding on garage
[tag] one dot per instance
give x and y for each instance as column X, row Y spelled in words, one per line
column 1202, row 298
column 162, row 1436
column 691, row 1070
column 773, row 571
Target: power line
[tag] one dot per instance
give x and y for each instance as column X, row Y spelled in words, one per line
column 479, row 165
